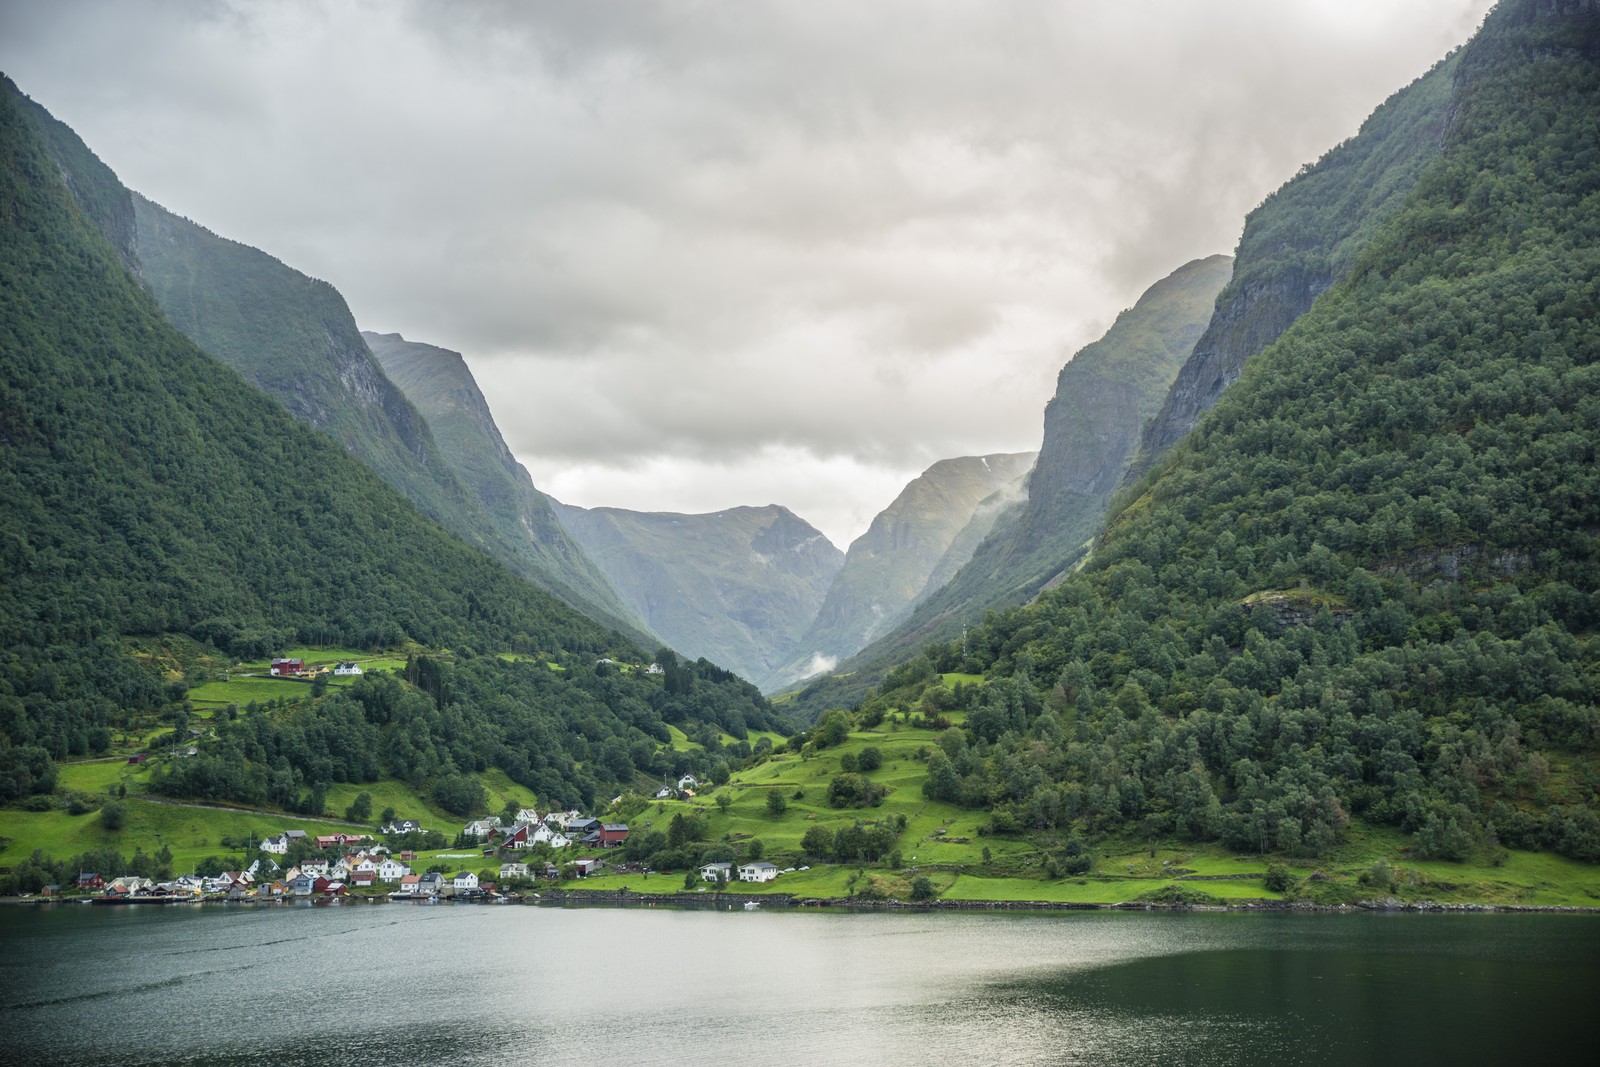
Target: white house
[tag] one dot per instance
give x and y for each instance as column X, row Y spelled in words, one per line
column 464, row 880
column 481, row 828
column 666, row 792
column 719, row 871
column 654, row 668
column 129, row 884
column 400, row 826
column 392, row 870
column 347, row 670
column 528, row 815
column 688, row 781
column 277, row 844
column 409, row 884
column 760, row 871
column 315, row 868
column 513, row 870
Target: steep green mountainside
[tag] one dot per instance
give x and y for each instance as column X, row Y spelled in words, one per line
column 146, row 491
column 1091, row 431
column 737, row 587
column 441, row 386
column 1298, row 242
column 891, row 564
column 295, row 339
column 1368, row 583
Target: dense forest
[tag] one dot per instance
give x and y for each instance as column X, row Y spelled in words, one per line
column 573, row 735
column 148, row 490
column 1367, row 585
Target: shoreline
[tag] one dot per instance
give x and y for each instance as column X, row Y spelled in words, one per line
column 616, row 898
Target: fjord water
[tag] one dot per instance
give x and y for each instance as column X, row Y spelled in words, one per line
column 466, row 986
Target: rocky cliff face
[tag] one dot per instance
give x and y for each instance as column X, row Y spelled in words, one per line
column 737, row 587
column 440, row 384
column 1298, row 243
column 890, row 565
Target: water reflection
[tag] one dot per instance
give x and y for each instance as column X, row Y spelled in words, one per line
column 469, row 986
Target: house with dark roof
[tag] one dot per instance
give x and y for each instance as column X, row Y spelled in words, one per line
column 760, row 871
column 717, row 872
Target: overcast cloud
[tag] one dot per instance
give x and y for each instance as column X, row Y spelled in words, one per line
column 705, row 254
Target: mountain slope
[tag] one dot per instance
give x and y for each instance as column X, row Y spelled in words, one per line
column 440, row 385
column 1368, row 583
column 1091, row 430
column 890, row 565
column 1300, row 241
column 998, row 507
column 294, row 338
column 737, row 587
column 147, row 491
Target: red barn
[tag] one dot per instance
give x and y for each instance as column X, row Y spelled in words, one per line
column 613, row 835
column 283, row 668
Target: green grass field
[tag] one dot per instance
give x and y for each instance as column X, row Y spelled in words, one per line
column 191, row 833
column 101, row 775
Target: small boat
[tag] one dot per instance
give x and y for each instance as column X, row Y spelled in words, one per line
column 751, row 905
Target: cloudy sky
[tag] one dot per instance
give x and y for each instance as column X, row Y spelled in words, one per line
column 701, row 254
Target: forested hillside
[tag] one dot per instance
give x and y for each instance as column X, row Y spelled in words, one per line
column 1367, row 584
column 1298, row 242
column 294, row 338
column 147, row 490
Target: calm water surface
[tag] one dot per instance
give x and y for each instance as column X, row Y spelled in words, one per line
column 468, row 986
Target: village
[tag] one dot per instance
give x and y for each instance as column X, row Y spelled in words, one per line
column 339, row 865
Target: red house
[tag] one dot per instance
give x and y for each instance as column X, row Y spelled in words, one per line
column 91, row 881
column 339, row 840
column 612, row 835
column 138, row 758
column 283, row 668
